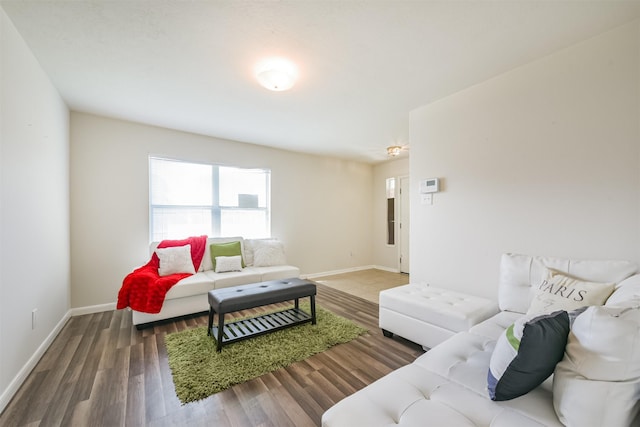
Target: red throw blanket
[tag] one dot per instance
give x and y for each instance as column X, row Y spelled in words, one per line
column 144, row 290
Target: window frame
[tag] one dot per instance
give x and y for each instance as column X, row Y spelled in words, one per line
column 216, row 208
column 391, row 184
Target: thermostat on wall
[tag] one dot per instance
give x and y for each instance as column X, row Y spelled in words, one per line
column 431, row 185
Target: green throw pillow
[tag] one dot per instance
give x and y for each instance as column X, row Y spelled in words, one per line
column 225, row 249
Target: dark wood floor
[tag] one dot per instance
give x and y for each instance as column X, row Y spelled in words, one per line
column 101, row 371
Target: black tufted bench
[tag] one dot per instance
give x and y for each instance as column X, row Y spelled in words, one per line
column 236, row 298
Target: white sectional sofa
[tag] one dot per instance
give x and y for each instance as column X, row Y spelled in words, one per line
column 189, row 295
column 596, row 383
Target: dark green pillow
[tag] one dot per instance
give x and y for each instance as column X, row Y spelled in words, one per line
column 526, row 354
column 225, row 249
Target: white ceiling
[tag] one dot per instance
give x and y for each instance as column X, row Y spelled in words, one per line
column 364, row 65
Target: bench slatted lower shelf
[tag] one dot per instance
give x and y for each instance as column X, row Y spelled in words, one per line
column 259, row 325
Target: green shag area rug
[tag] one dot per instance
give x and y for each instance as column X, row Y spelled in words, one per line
column 199, row 371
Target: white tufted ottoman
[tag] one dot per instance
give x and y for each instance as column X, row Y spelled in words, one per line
column 427, row 315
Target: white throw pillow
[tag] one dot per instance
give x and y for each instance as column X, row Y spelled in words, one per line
column 626, row 290
column 176, row 259
column 251, row 245
column 597, row 383
column 248, row 251
column 228, row 263
column 559, row 291
column 268, row 254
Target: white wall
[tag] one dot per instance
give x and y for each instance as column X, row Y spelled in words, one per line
column 34, row 209
column 385, row 255
column 541, row 160
column 321, row 207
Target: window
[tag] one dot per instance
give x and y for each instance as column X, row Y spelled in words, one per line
column 191, row 199
column 391, row 211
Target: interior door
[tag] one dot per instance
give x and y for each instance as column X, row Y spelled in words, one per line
column 404, row 228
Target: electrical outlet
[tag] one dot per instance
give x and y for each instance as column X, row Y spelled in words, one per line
column 33, row 318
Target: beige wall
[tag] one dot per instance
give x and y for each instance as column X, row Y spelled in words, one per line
column 321, row 207
column 541, row 160
column 34, row 209
column 385, row 256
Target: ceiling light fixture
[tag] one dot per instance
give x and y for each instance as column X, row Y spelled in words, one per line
column 394, row 150
column 277, row 74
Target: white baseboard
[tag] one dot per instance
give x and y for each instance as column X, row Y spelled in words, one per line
column 348, row 270
column 332, row 272
column 19, row 379
column 79, row 311
column 389, row 269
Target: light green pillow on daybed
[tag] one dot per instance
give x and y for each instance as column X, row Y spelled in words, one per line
column 225, row 249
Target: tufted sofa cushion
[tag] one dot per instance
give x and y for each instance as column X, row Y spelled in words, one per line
column 454, row 311
column 444, row 387
column 495, row 326
column 428, row 315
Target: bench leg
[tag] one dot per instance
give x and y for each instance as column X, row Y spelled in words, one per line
column 220, row 331
column 211, row 312
column 313, row 309
column 296, row 304
column 387, row 333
